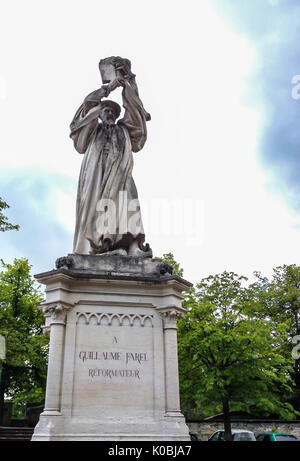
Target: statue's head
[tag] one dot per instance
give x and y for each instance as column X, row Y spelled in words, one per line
column 110, row 111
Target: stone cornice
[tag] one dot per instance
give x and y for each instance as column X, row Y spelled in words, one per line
column 170, row 315
column 76, row 274
column 56, row 311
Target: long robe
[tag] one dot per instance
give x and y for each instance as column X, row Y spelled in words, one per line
column 106, row 175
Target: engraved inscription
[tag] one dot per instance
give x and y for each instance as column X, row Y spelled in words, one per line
column 136, row 357
column 114, row 362
column 111, row 373
column 96, row 355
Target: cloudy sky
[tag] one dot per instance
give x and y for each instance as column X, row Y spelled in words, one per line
column 218, row 178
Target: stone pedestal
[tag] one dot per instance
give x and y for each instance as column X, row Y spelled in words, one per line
column 113, row 367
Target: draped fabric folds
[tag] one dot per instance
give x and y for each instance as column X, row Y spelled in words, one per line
column 107, row 207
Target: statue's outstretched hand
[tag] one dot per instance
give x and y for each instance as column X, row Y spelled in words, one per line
column 123, row 66
column 116, row 83
column 104, row 91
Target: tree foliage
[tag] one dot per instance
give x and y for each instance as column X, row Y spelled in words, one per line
column 228, row 355
column 278, row 299
column 25, row 367
column 5, row 225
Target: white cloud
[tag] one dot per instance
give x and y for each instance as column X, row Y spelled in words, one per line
column 2, row 87
column 192, row 72
column 65, row 208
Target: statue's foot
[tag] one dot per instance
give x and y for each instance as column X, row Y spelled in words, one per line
column 137, row 250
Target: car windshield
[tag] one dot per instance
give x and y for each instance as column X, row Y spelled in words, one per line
column 243, row 436
column 286, row 438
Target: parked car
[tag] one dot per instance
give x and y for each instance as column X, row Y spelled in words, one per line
column 194, row 437
column 238, row 435
column 274, row 437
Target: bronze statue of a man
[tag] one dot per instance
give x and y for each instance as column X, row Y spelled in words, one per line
column 108, row 216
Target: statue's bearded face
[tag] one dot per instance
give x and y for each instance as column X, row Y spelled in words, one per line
column 108, row 115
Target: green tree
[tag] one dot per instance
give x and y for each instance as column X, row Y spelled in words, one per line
column 5, row 225
column 229, row 356
column 25, row 367
column 279, row 300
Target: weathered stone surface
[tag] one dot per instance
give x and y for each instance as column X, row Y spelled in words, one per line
column 114, row 265
column 113, row 369
column 108, row 213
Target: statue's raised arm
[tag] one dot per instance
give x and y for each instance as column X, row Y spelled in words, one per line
column 135, row 117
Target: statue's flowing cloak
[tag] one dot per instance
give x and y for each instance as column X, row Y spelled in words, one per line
column 108, row 177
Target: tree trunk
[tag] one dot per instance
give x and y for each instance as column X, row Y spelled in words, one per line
column 227, row 422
